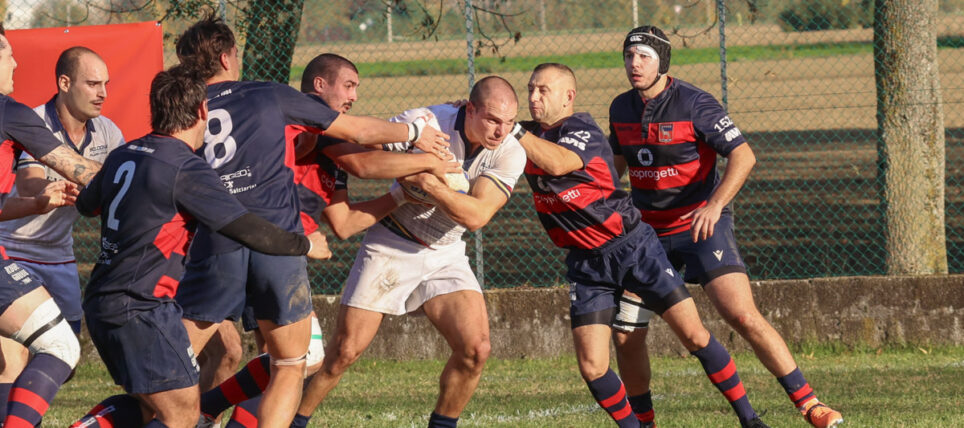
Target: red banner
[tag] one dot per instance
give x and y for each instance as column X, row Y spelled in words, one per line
column 133, row 53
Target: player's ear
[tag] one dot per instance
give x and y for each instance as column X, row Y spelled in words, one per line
column 570, row 96
column 63, row 82
column 319, row 84
column 225, row 61
column 202, row 112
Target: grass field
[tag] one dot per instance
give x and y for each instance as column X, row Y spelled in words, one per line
column 873, row 388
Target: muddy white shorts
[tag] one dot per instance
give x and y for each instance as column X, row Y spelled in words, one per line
column 394, row 275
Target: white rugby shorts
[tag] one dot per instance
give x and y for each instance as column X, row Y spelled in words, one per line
column 395, row 276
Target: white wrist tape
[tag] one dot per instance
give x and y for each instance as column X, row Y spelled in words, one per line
column 415, row 129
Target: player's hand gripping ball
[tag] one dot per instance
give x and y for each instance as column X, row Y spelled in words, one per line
column 458, row 182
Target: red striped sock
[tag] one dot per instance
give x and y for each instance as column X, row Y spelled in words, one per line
column 610, row 393
column 245, row 414
column 115, row 411
column 248, row 383
column 722, row 372
column 797, row 388
column 34, row 389
column 643, row 406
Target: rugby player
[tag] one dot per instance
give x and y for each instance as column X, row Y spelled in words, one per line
column 248, row 142
column 667, row 133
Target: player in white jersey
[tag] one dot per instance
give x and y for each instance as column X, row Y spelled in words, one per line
column 414, row 259
column 43, row 244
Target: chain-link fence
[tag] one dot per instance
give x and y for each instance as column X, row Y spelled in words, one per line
column 799, row 80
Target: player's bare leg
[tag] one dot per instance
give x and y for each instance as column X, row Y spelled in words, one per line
column 35, row 318
column 462, row 319
column 287, row 345
column 591, row 342
column 685, row 321
column 355, row 329
column 733, row 300
column 632, row 357
column 592, row 350
column 221, row 356
column 199, row 332
column 176, row 408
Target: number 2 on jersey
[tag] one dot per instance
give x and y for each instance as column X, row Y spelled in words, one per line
column 219, row 145
column 126, row 173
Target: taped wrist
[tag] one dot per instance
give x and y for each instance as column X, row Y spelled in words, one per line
column 518, row 131
column 415, row 129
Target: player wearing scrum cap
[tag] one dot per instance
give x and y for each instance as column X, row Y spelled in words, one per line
column 668, row 134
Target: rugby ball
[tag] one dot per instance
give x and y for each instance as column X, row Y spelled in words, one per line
column 458, row 181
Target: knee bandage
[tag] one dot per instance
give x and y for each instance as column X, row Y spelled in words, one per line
column 632, row 314
column 316, row 348
column 46, row 332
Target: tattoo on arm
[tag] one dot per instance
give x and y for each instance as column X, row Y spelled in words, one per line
column 71, row 165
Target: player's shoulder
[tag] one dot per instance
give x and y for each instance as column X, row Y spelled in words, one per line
column 689, row 92
column 580, row 121
column 626, row 106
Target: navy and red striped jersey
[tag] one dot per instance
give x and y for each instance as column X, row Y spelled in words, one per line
column 583, row 209
column 318, row 178
column 149, row 194
column 670, row 144
column 250, row 143
column 20, row 129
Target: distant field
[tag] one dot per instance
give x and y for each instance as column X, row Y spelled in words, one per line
column 872, row 388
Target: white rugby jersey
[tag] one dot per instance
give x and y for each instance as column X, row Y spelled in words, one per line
column 47, row 238
column 503, row 166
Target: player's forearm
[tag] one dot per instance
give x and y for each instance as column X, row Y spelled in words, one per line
column 264, row 237
column 552, row 158
column 738, row 166
column 378, row 164
column 20, row 206
column 367, row 130
column 348, row 219
column 71, row 165
column 466, row 210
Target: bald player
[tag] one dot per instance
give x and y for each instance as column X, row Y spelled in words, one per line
column 414, row 259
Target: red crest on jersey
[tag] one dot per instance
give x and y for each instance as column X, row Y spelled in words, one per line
column 665, row 132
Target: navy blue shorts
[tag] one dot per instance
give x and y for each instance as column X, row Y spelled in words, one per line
column 150, row 353
column 707, row 259
column 636, row 262
column 217, row 287
column 247, row 319
column 15, row 281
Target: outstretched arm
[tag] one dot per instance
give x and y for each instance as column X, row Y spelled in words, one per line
column 71, row 165
column 739, row 163
column 347, row 218
column 54, row 195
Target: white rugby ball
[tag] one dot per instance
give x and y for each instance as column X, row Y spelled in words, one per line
column 458, row 182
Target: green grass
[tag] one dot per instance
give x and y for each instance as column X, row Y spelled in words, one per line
column 873, row 388
column 611, row 59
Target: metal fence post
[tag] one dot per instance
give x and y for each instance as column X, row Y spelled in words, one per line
column 721, row 11
column 470, row 70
